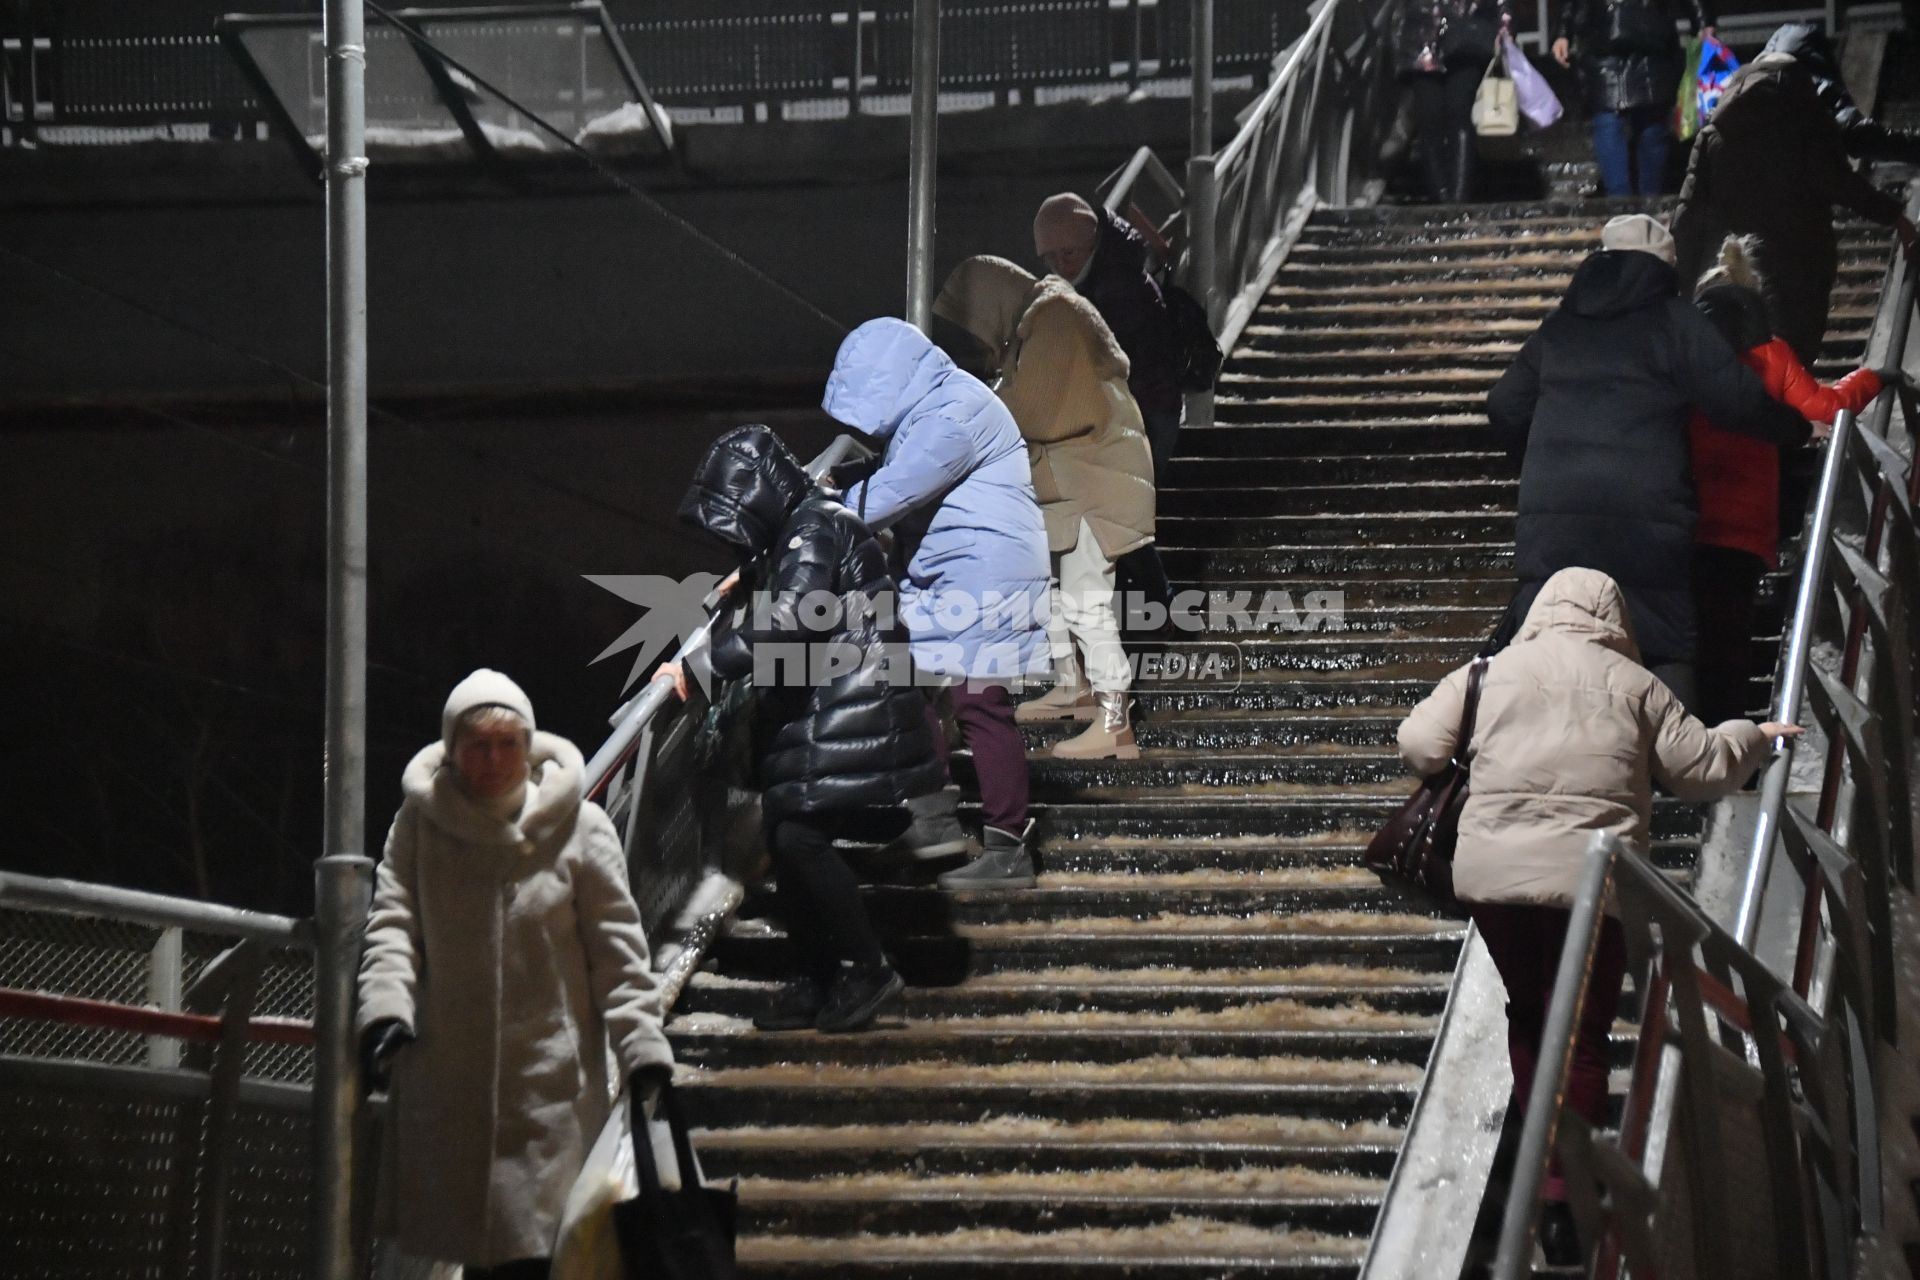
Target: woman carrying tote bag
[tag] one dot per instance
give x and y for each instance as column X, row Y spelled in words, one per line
column 1440, row 53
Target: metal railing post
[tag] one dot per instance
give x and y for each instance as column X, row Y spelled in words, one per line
column 925, row 131
column 1515, row 1258
column 164, row 978
column 342, row 878
column 1793, row 678
column 343, row 889
column 1203, row 190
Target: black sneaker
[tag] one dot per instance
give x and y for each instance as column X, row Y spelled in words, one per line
column 858, row 996
column 1559, row 1238
column 794, row 1007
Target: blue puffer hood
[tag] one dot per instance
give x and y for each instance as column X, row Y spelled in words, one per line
column 885, row 368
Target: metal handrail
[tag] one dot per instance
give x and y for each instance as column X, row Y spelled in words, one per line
column 73, row 897
column 1812, row 584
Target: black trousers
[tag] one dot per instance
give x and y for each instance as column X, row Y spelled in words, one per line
column 523, row 1269
column 1443, row 127
column 1726, row 584
column 818, row 897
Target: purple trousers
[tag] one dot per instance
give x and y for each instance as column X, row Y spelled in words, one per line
column 985, row 716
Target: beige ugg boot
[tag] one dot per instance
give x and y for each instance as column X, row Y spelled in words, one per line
column 1069, row 699
column 1109, row 737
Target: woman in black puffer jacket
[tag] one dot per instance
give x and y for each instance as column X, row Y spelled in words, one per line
column 1631, row 65
column 1441, row 49
column 831, row 744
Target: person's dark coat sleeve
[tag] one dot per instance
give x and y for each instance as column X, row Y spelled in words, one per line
column 1511, row 403
column 805, row 564
column 1850, row 188
column 1719, row 384
column 1693, row 222
column 1573, row 20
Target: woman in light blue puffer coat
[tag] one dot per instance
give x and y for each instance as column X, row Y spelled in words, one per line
column 955, row 488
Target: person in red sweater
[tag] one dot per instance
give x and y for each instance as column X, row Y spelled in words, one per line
column 1737, row 478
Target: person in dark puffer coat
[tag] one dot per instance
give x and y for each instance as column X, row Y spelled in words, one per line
column 1630, row 67
column 857, row 741
column 1107, row 261
column 1441, row 49
column 1772, row 164
column 1597, row 402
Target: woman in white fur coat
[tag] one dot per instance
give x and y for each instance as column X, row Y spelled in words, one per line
column 504, row 952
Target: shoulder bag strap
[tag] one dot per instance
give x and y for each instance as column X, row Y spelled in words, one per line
column 1469, row 709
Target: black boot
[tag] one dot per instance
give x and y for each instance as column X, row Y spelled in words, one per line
column 1559, row 1240
column 1435, row 172
column 1465, row 160
column 858, row 996
column 794, row 1007
column 936, row 832
column 1006, row 864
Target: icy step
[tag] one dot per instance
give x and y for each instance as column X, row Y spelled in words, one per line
column 1195, row 476
column 1186, row 1248
column 1176, row 732
column 1411, row 525
column 1228, row 566
column 1302, row 499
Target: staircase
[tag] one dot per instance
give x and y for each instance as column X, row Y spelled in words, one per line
column 1191, row 1050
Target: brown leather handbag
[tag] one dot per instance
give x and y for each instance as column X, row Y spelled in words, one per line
column 1415, row 848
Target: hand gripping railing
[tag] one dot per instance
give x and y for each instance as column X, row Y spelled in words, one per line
column 1750, row 1140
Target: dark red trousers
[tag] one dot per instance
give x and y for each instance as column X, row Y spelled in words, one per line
column 1525, row 943
column 985, row 716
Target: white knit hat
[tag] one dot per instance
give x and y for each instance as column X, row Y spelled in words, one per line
column 1638, row 232
column 484, row 688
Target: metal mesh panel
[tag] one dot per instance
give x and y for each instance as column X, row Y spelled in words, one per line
column 1246, row 34
column 1001, row 43
column 84, row 1184
column 685, row 59
column 109, row 960
column 148, row 78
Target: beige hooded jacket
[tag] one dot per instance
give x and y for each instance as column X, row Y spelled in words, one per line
column 1064, row 379
column 1571, row 733
column 513, row 951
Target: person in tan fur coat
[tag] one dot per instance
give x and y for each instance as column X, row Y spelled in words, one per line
column 1064, row 378
column 504, row 956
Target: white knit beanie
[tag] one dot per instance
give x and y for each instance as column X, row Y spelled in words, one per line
column 484, row 688
column 1638, row 232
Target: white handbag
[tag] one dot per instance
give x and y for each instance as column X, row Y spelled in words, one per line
column 1496, row 104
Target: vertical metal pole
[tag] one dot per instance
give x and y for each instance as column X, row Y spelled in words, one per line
column 1203, row 191
column 925, row 144
column 1514, row 1260
column 164, row 979
column 342, row 877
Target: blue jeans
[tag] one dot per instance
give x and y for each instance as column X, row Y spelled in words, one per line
column 1617, row 136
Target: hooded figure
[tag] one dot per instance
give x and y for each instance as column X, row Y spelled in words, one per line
column 1772, row 164
column 504, row 953
column 1571, row 732
column 1065, row 380
column 850, row 734
column 1597, row 402
column 1864, row 137
column 859, row 739
column 955, row 486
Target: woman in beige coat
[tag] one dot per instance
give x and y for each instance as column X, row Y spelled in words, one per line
column 1064, row 379
column 1571, row 734
column 504, row 953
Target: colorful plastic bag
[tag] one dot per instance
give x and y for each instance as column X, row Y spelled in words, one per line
column 1710, row 65
column 1538, row 102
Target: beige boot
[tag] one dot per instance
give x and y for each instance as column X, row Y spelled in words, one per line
column 1109, row 737
column 1068, row 700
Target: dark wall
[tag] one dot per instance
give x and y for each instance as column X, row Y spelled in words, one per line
column 164, row 610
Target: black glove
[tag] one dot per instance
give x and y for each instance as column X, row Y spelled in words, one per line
column 1894, row 377
column 645, row 1084
column 378, row 1043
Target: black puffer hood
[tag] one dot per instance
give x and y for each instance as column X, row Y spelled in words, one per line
column 1739, row 313
column 745, row 488
column 1615, row 282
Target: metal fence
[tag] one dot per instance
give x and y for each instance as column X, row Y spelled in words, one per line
column 1750, row 1140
